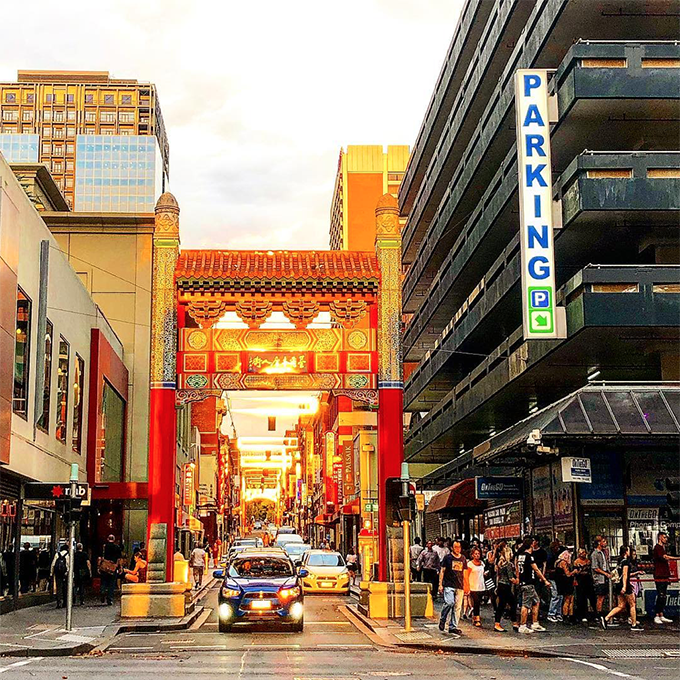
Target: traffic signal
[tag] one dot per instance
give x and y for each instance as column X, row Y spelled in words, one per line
column 672, row 510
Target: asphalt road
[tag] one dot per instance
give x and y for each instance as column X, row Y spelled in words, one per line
column 330, row 648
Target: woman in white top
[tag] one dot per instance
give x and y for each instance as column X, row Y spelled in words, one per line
column 475, row 580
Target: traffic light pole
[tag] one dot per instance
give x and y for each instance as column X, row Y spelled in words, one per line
column 71, row 550
column 407, row 576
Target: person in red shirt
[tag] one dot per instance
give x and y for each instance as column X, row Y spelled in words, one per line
column 662, row 576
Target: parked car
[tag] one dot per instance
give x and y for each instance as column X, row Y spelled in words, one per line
column 261, row 586
column 324, row 571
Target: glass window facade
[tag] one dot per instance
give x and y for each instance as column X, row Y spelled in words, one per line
column 78, row 387
column 22, row 351
column 19, row 148
column 117, row 173
column 44, row 420
column 62, row 390
column 112, row 436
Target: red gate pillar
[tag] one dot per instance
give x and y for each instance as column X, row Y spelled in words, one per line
column 163, row 374
column 390, row 376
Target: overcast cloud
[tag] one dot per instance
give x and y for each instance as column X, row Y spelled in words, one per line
column 257, row 96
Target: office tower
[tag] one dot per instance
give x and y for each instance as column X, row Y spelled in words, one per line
column 365, row 173
column 102, row 138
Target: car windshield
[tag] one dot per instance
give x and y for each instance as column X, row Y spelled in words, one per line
column 244, row 542
column 260, row 567
column 325, row 560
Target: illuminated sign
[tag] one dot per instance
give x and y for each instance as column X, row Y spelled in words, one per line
column 330, row 452
column 188, row 492
column 278, row 362
column 535, row 204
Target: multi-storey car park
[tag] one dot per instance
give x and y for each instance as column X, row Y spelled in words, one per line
column 479, row 389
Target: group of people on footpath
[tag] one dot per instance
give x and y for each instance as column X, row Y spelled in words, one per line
column 517, row 578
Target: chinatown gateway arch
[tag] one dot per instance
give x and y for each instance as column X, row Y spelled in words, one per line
column 359, row 356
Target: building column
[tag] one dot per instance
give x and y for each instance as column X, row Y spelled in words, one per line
column 390, row 377
column 163, row 376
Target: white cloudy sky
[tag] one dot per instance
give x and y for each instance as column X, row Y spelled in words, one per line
column 258, row 96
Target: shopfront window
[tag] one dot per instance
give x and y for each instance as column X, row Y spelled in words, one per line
column 22, row 349
column 78, row 384
column 112, row 435
column 44, row 419
column 62, row 390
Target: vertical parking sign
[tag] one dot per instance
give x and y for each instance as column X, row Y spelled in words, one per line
column 535, row 204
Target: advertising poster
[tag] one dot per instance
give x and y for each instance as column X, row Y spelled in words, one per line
column 607, row 485
column 503, row 521
column 562, row 499
column 542, row 502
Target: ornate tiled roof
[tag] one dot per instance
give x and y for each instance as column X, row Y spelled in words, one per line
column 277, row 265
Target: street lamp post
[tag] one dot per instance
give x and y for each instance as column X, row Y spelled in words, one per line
column 407, row 550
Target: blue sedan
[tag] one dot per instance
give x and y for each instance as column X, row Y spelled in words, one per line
column 258, row 587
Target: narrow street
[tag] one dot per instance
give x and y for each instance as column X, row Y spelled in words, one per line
column 330, row 648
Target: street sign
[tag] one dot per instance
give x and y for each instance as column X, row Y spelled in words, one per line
column 494, row 488
column 57, row 491
column 576, row 470
column 535, row 204
column 420, row 502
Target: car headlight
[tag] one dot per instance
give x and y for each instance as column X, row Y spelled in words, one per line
column 229, row 592
column 289, row 593
column 344, row 576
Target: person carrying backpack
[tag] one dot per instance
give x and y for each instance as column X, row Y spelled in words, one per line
column 59, row 572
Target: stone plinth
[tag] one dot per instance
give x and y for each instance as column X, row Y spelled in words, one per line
column 155, row 600
column 385, row 600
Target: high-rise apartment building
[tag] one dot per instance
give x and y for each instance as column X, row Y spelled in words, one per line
column 102, row 138
column 365, row 173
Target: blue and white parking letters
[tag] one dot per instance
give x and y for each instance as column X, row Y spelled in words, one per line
column 535, row 203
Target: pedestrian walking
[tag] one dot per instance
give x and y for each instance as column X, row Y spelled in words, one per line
column 59, row 572
column 82, row 573
column 451, row 587
column 44, row 563
column 440, row 548
column 414, row 552
column 197, row 560
column 428, row 563
column 529, row 576
column 564, row 577
column 662, row 577
column 352, row 560
column 476, row 584
column 601, row 573
column 506, row 578
column 626, row 596
column 109, row 568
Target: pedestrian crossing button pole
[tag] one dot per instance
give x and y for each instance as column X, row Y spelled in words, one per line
column 71, row 547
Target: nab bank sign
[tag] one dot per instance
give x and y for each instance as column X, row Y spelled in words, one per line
column 535, row 204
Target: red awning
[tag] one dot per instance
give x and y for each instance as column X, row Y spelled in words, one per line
column 457, row 496
column 323, row 518
column 352, row 508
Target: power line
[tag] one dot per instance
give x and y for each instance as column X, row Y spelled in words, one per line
column 96, row 316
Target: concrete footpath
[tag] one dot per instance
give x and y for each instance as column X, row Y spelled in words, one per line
column 40, row 630
column 559, row 640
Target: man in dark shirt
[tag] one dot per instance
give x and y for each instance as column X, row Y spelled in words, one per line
column 451, row 587
column 111, row 553
column 428, row 562
column 529, row 575
column 662, row 576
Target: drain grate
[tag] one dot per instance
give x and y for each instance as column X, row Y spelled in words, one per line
column 412, row 637
column 640, row 653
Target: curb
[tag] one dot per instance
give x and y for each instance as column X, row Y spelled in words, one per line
column 120, row 628
column 455, row 649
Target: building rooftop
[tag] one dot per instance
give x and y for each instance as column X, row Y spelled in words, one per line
column 48, row 76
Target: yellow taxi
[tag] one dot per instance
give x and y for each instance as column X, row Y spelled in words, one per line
column 324, row 571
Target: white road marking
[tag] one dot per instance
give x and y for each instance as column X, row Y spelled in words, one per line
column 600, row 667
column 327, row 623
column 17, row 664
column 128, row 649
column 11, row 644
column 177, row 642
column 356, row 646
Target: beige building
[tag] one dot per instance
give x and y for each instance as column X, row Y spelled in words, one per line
column 112, row 254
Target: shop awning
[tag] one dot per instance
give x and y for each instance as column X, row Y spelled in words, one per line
column 595, row 412
column 352, row 508
column 460, row 495
column 323, row 519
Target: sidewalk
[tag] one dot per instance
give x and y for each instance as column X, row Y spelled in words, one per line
column 40, row 630
column 558, row 641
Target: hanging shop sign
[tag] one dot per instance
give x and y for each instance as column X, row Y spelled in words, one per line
column 503, row 521
column 188, row 485
column 495, row 488
column 643, row 515
column 576, row 470
column 535, row 204
column 348, row 486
